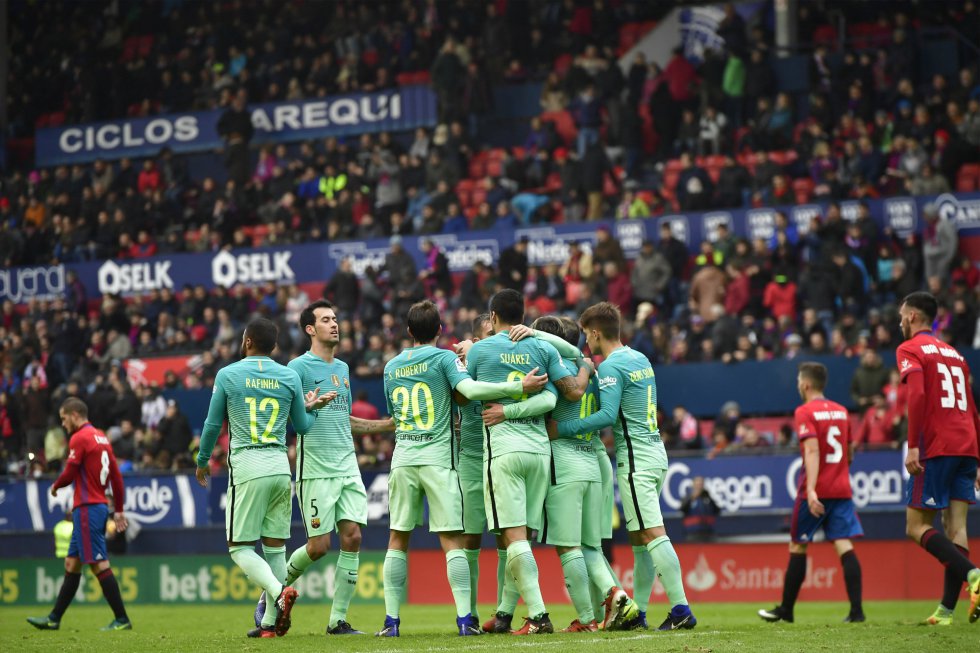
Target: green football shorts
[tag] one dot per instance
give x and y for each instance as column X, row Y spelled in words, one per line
column 261, row 507
column 407, row 486
column 325, row 501
column 515, row 486
column 474, row 510
column 640, row 492
column 571, row 514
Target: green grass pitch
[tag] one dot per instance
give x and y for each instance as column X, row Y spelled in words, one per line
column 722, row 627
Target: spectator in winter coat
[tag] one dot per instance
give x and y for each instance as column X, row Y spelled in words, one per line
column 940, row 243
column 650, row 276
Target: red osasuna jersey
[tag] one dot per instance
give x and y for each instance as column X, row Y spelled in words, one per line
column 826, row 421
column 948, row 424
column 92, row 466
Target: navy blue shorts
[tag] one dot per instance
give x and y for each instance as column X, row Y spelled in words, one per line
column 88, row 537
column 839, row 520
column 945, row 479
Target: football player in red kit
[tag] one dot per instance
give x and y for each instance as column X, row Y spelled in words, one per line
column 823, row 498
column 944, row 443
column 92, row 467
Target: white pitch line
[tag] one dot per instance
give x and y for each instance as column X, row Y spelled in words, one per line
column 564, row 641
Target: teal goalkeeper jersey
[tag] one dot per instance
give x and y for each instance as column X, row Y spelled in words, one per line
column 499, row 359
column 573, row 457
column 327, row 449
column 419, row 385
column 628, row 403
column 258, row 396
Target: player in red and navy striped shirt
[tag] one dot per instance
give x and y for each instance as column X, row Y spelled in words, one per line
column 92, row 467
column 823, row 498
column 944, row 445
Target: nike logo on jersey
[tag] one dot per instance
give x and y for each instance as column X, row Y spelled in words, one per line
column 319, row 381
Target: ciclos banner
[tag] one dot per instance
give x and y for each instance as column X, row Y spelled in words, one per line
column 179, row 580
column 398, row 109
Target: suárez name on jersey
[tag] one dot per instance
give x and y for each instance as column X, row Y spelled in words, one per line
column 411, row 370
column 516, row 359
column 826, row 415
column 948, row 352
column 262, row 384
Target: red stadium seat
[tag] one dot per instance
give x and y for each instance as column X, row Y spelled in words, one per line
column 562, row 64
column 477, row 168
column 673, row 165
column 564, row 124
column 968, row 178
column 495, row 168
column 553, row 183
column 803, row 188
column 479, row 196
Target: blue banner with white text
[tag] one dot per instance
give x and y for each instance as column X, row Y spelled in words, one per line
column 312, row 262
column 398, row 109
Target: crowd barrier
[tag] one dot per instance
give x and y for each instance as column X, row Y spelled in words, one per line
column 743, row 573
column 742, row 485
column 313, row 262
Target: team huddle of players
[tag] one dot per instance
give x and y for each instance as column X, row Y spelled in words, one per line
column 525, row 460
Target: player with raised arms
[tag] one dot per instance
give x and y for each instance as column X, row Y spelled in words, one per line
column 329, row 488
column 92, row 467
column 257, row 396
column 944, row 444
column 823, row 498
column 420, row 384
column 574, row 504
column 517, row 454
column 628, row 403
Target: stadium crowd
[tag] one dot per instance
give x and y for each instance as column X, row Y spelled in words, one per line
column 872, row 128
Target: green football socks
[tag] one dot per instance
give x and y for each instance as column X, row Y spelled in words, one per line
column 395, row 575
column 669, row 569
column 507, row 594
column 276, row 557
column 473, row 560
column 260, row 573
column 298, row 563
column 643, row 576
column 521, row 564
column 458, row 573
column 344, row 585
column 577, row 583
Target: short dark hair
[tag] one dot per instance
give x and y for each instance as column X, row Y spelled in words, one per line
column 572, row 331
column 308, row 316
column 815, row 373
column 75, row 405
column 479, row 321
column 603, row 316
column 508, row 304
column 549, row 324
column 263, row 333
column 423, row 321
column 923, row 302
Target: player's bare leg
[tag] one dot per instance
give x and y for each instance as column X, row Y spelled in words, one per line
column 919, row 529
column 793, row 581
column 668, row 569
column 852, row 578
